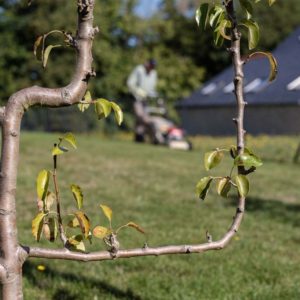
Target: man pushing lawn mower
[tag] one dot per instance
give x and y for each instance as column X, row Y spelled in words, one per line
column 150, row 112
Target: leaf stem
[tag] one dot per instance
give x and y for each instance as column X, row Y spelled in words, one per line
column 231, row 171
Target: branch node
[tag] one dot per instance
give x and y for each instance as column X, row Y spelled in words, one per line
column 251, row 170
column 89, row 74
column 70, row 39
column 231, row 49
column 113, row 244
column 92, row 73
column 93, row 32
column 4, row 212
column 13, row 133
column 84, row 6
column 208, row 237
column 66, row 96
column 239, row 210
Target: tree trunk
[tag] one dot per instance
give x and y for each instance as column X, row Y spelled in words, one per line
column 11, row 260
column 11, row 277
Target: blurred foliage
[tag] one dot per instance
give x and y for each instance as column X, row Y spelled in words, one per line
column 185, row 57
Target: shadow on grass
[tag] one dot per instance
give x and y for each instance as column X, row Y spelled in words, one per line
column 44, row 280
column 283, row 212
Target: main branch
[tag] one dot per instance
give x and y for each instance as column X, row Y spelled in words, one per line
column 25, row 251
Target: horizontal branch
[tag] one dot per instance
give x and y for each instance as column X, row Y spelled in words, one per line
column 66, row 254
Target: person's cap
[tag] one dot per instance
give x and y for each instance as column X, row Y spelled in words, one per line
column 152, row 62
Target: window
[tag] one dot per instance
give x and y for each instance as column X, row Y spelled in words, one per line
column 229, row 88
column 294, row 85
column 256, row 85
column 209, row 89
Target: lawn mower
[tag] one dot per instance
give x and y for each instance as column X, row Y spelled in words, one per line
column 153, row 125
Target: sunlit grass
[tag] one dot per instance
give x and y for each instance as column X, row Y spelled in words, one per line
column 154, row 187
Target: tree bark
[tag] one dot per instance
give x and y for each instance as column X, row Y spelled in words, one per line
column 11, row 264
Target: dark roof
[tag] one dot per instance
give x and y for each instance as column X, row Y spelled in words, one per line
column 275, row 93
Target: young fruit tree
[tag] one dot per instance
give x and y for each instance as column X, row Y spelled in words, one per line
column 49, row 221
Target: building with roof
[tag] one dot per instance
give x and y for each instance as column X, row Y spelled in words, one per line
column 273, row 108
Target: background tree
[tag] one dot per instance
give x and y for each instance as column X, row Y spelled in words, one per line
column 126, row 40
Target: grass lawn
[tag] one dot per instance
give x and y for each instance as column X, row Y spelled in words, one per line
column 154, row 187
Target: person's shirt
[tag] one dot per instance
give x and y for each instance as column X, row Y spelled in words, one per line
column 142, row 84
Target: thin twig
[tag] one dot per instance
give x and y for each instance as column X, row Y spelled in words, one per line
column 57, row 196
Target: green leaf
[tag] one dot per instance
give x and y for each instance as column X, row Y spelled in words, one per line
column 102, row 108
column 248, row 151
column 248, row 160
column 37, row 225
column 218, row 39
column 272, row 60
column 216, row 13
column 107, row 211
column 202, row 15
column 222, row 29
column 212, row 159
column 247, row 6
column 67, row 219
column 42, row 183
column 135, row 226
column 47, row 52
column 218, row 23
column 37, row 44
column 70, row 138
column 84, row 223
column 74, row 223
column 87, row 98
column 50, row 230
column 271, row 2
column 75, row 239
column 49, row 200
column 118, row 113
column 101, row 232
column 233, row 152
column 58, row 150
column 78, row 196
column 242, row 185
column 202, row 187
column 253, row 33
column 76, row 243
column 223, row 187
